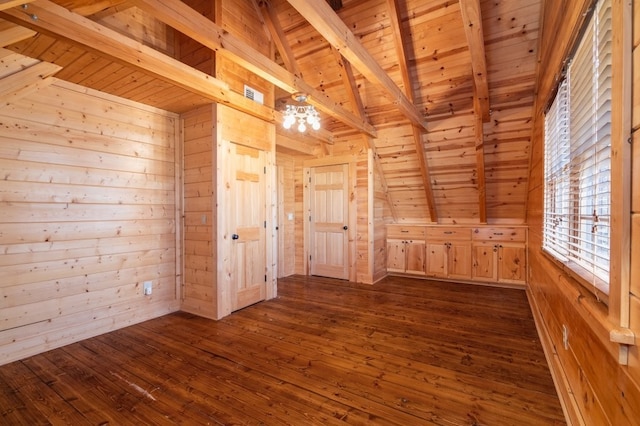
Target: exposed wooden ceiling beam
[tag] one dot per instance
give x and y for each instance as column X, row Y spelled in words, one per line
column 349, row 81
column 102, row 7
column 482, row 184
column 57, row 21
column 472, row 19
column 398, row 40
column 191, row 23
column 320, row 15
column 300, row 143
column 11, row 33
column 398, row 37
column 24, row 76
column 270, row 17
column 8, row 4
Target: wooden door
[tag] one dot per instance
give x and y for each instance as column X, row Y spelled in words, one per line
column 247, row 226
column 484, row 261
column 437, row 259
column 329, row 215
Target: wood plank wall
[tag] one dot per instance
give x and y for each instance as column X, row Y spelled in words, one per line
column 241, row 20
column 204, row 129
column 301, row 265
column 190, row 51
column 87, row 214
column 593, row 386
column 634, row 355
column 371, row 206
column 381, row 216
column 286, row 205
column 369, row 264
column 199, row 291
column 137, row 24
column 364, row 244
column 200, row 221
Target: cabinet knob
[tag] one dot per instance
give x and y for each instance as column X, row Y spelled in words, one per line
column 345, row 227
column 235, row 236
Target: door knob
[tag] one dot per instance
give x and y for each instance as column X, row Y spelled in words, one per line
column 345, row 227
column 235, row 236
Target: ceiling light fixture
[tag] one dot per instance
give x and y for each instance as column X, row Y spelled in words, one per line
column 301, row 114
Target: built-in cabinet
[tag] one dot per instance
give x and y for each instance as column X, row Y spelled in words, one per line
column 406, row 250
column 482, row 253
column 499, row 255
column 448, row 253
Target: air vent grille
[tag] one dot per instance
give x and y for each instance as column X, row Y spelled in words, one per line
column 253, row 94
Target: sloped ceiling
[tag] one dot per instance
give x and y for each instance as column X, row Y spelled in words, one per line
column 442, row 91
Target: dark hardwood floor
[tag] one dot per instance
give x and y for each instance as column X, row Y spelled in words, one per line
column 404, row 351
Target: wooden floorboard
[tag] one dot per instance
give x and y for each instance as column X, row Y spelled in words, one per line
column 403, row 351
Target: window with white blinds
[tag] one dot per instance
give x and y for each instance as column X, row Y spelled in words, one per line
column 577, row 200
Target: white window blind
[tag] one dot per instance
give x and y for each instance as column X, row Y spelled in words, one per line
column 577, row 198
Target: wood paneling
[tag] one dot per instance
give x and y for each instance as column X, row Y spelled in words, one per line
column 199, row 291
column 286, row 214
column 593, row 386
column 439, row 78
column 442, row 82
column 401, row 352
column 88, row 213
column 137, row 24
column 634, row 290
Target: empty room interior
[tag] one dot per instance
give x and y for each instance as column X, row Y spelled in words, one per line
column 301, row 212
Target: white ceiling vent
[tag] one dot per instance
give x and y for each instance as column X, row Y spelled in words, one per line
column 253, row 94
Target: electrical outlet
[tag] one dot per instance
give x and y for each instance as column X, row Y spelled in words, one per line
column 565, row 337
column 148, row 288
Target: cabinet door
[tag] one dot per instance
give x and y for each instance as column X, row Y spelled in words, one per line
column 395, row 256
column 485, row 256
column 459, row 260
column 512, row 265
column 415, row 256
column 437, row 259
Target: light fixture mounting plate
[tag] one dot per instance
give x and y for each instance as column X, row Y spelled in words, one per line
column 299, row 97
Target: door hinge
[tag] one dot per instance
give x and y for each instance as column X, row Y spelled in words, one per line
column 265, row 278
column 309, row 258
column 265, row 170
column 265, row 224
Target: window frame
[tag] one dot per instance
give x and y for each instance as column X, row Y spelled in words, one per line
column 563, row 187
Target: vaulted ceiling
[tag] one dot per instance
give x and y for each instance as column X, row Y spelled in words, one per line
column 441, row 90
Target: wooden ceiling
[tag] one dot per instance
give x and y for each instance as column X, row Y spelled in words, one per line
column 441, row 90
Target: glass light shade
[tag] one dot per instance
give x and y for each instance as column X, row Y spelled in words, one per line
column 302, row 114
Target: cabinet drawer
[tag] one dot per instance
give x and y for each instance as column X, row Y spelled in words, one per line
column 448, row 234
column 400, row 231
column 500, row 234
